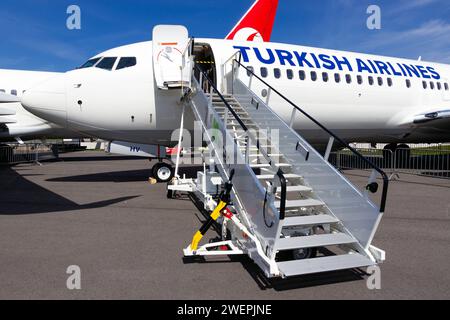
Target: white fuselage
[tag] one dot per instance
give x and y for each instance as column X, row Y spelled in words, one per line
column 126, row 105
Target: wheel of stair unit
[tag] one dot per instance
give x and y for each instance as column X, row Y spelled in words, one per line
column 302, row 254
column 163, row 172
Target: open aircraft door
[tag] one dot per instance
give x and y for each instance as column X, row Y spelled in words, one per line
column 171, row 56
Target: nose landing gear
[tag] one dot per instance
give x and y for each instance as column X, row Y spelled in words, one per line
column 163, row 172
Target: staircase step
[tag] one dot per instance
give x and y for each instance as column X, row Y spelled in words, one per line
column 266, row 165
column 296, row 189
column 261, row 156
column 292, row 204
column 315, row 220
column 253, row 148
column 243, row 119
column 271, row 176
column 221, row 105
column 315, row 241
column 325, row 264
column 7, row 112
column 247, row 122
column 238, row 125
column 226, row 97
column 8, row 120
column 223, row 112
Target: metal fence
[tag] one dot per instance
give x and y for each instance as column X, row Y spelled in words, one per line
column 432, row 162
column 27, row 153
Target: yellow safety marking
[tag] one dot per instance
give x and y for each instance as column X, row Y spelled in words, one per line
column 196, row 240
column 215, row 215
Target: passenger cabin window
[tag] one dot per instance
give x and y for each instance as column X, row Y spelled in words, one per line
column 14, row 92
column 264, row 72
column 290, row 74
column 302, row 75
column 431, row 85
column 371, row 81
column 250, row 71
column 277, row 73
column 446, row 86
column 126, row 62
column 337, row 77
column 360, row 79
column 390, row 83
column 380, row 81
column 439, row 86
column 348, row 78
column 325, row 76
column 425, row 85
column 107, row 63
column 90, row 63
column 408, row 83
column 313, row 76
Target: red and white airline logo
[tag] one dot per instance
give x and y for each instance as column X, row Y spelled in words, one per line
column 248, row 34
column 257, row 23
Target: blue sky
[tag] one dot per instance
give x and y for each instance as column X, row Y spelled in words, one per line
column 35, row 37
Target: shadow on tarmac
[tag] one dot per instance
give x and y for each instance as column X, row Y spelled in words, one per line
column 119, row 176
column 20, row 196
column 123, row 176
column 302, row 282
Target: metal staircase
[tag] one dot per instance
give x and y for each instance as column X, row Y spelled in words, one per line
column 293, row 213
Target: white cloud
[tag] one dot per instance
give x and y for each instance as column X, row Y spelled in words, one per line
column 412, row 4
column 431, row 41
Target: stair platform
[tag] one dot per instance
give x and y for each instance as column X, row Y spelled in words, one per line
column 315, row 241
column 325, row 264
column 315, row 220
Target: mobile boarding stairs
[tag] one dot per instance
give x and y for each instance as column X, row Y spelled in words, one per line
column 289, row 209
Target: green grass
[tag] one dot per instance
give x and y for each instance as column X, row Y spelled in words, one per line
column 432, row 151
column 426, row 151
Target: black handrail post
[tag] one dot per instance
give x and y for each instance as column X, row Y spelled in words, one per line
column 283, row 194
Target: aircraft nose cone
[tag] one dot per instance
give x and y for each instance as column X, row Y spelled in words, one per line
column 48, row 100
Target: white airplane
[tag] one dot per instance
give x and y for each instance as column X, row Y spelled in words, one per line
column 15, row 122
column 124, row 93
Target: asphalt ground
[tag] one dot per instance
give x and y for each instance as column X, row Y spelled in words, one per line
column 101, row 214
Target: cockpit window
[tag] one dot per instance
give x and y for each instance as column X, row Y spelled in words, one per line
column 107, row 63
column 90, row 63
column 126, row 62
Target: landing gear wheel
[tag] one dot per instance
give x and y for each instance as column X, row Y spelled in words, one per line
column 163, row 172
column 302, row 254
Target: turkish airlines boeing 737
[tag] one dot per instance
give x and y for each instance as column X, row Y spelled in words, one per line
column 125, row 93
column 16, row 123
